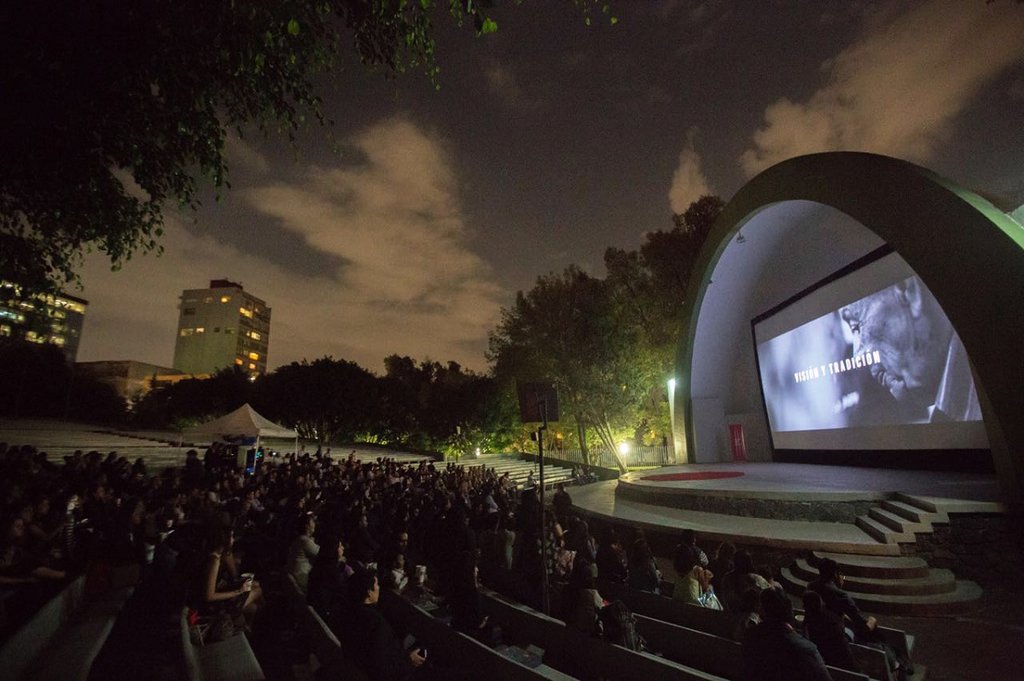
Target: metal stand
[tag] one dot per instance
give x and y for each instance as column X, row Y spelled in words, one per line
column 545, row 599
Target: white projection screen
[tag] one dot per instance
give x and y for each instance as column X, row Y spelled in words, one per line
column 867, row 360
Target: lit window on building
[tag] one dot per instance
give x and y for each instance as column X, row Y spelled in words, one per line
column 245, row 313
column 57, row 340
column 254, row 355
column 187, row 332
column 5, row 330
column 255, row 335
column 239, row 361
column 200, row 329
column 251, row 365
column 70, row 305
column 225, row 299
column 229, row 332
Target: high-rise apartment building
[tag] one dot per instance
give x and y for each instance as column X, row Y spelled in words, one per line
column 43, row 318
column 220, row 327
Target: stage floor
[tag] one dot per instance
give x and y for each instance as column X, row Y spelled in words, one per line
column 648, row 502
column 810, row 482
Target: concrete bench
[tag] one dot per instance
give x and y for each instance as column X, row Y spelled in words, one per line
column 229, row 660
column 327, row 649
column 295, row 595
column 61, row 641
column 458, row 651
column 715, row 654
column 581, row 655
column 719, row 623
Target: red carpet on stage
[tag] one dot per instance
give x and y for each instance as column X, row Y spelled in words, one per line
column 706, row 475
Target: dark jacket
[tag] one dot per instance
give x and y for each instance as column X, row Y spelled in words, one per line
column 371, row 645
column 840, row 602
column 826, row 631
column 773, row 651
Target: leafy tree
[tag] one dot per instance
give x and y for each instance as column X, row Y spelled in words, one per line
column 114, row 109
column 327, row 400
column 33, row 379
column 36, row 381
column 441, row 406
column 566, row 330
column 194, row 400
column 650, row 284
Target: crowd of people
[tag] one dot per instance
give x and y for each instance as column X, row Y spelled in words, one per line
column 345, row 530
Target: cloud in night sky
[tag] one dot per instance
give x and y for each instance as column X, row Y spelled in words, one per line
column 898, row 89
column 688, row 181
column 502, row 81
column 408, row 282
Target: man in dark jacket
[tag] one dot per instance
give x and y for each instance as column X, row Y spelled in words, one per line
column 829, row 586
column 369, row 640
column 774, row 651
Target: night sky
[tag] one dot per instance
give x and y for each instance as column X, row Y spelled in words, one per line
column 550, row 141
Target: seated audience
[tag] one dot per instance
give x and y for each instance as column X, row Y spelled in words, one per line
column 748, row 615
column 467, row 613
column 643, row 570
column 562, row 503
column 826, row 631
column 694, row 586
column 302, row 551
column 368, row 640
column 581, row 602
column 742, row 577
column 722, row 563
column 774, row 651
column 224, row 590
column 829, row 586
column 612, row 563
column 326, row 591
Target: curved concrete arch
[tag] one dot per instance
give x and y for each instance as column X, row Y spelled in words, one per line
column 969, row 254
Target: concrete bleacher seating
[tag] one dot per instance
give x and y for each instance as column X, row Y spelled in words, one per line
column 719, row 624
column 61, row 641
column 229, row 660
column 457, row 651
column 575, row 653
column 323, row 644
column 519, row 469
column 716, row 654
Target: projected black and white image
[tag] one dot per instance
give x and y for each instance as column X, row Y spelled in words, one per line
column 888, row 358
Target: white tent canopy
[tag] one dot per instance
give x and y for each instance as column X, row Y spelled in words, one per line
column 242, row 424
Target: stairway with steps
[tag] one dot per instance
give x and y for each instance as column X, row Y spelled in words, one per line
column 903, row 585
column 519, row 469
column 898, row 520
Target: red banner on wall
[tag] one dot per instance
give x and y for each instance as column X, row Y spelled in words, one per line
column 736, row 441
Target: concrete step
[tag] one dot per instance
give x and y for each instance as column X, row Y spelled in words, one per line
column 923, row 504
column 960, row 599
column 933, row 582
column 898, row 523
column 878, row 567
column 908, row 511
column 882, row 533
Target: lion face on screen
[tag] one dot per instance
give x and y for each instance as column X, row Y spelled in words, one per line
column 905, row 324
